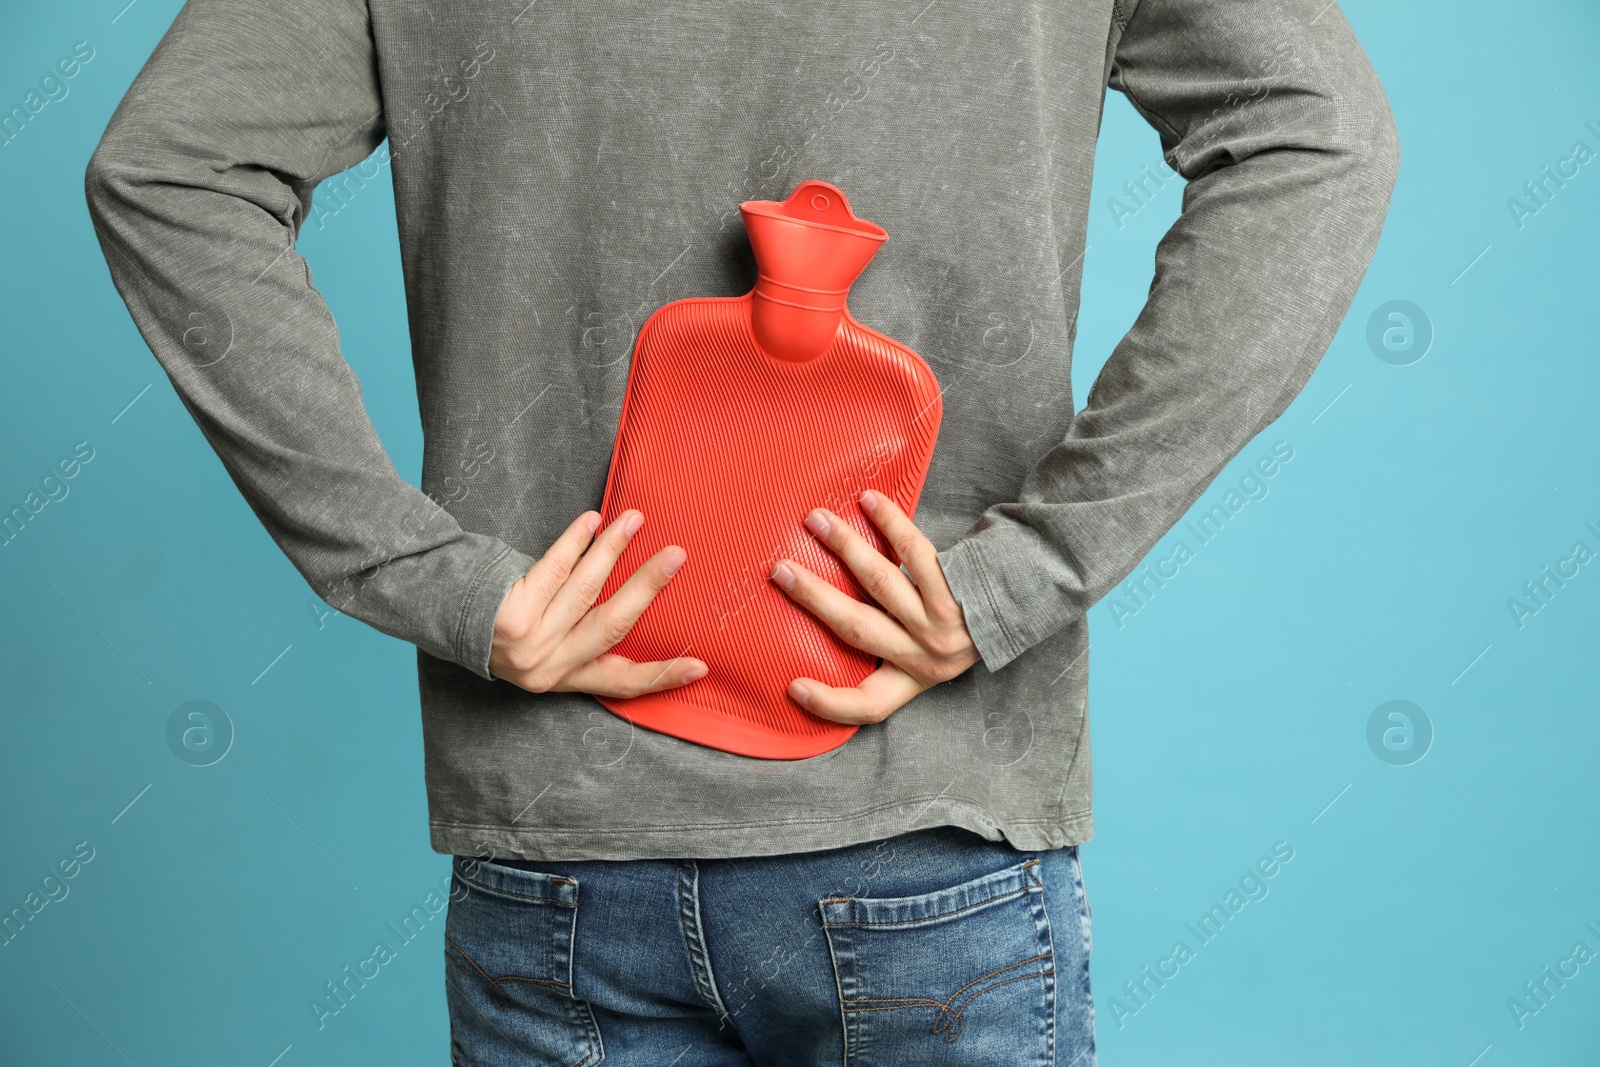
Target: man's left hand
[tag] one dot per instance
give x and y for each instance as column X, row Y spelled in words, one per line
column 920, row 633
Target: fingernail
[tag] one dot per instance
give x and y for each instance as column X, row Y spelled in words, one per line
column 801, row 694
column 592, row 521
column 869, row 502
column 818, row 522
column 699, row 670
column 672, row 561
column 631, row 527
column 783, row 575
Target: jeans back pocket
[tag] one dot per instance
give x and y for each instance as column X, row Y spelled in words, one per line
column 509, row 938
column 955, row 977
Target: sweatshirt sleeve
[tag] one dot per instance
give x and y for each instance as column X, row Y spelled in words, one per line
column 197, row 191
column 1273, row 115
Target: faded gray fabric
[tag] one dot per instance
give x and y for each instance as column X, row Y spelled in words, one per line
column 563, row 169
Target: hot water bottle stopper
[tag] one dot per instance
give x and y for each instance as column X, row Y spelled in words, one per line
column 741, row 415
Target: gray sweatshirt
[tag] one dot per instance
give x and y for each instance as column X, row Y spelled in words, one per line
column 562, row 169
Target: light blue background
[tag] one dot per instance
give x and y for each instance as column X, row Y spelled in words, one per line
column 1229, row 713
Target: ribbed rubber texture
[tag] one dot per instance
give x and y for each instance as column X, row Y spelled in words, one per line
column 725, row 450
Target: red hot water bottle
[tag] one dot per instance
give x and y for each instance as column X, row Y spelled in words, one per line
column 741, row 415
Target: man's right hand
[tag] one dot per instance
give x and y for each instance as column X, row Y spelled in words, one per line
column 550, row 638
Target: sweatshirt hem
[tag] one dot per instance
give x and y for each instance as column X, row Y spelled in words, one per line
column 755, row 838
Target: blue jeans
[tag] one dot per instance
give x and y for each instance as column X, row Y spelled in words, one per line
column 935, row 947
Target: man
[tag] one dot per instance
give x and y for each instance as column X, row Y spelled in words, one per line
column 560, row 170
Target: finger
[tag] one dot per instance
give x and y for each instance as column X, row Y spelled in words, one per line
column 552, row 568
column 884, row 581
column 879, row 695
column 608, row 623
column 859, row 625
column 611, row 675
column 582, row 587
column 916, row 552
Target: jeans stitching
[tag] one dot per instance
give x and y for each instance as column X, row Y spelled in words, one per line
column 960, row 1017
column 1085, row 928
column 456, row 1048
column 849, row 934
column 1026, row 870
column 950, row 1018
column 1044, row 935
column 495, row 996
column 579, row 1012
column 925, row 919
column 946, row 1002
column 1083, row 898
column 520, row 896
column 694, row 938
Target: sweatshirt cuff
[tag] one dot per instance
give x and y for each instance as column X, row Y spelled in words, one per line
column 475, row 629
column 964, row 573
